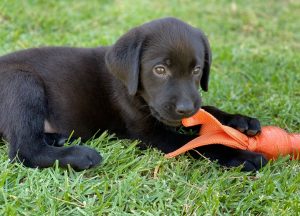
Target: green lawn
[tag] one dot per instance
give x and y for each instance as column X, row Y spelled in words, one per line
column 255, row 71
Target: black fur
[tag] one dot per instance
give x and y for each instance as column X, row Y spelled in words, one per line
column 112, row 88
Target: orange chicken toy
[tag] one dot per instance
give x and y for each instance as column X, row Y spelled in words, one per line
column 272, row 141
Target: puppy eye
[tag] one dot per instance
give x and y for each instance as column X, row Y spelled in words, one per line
column 160, row 70
column 197, row 71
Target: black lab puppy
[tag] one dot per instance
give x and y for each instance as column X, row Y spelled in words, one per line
column 139, row 88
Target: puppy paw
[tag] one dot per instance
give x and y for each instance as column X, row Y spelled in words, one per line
column 247, row 125
column 81, row 158
column 250, row 161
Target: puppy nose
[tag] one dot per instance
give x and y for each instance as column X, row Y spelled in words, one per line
column 184, row 109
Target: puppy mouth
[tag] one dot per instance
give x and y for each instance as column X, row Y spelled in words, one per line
column 169, row 122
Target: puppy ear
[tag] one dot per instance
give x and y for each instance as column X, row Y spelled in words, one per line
column 207, row 63
column 123, row 59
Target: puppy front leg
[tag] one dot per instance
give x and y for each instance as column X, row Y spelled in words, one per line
column 168, row 141
column 249, row 126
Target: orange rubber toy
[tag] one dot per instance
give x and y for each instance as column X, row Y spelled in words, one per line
column 272, row 141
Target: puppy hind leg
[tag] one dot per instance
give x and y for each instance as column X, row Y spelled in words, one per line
column 53, row 138
column 25, row 99
column 58, row 140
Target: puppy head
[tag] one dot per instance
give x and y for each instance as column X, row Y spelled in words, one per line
column 165, row 61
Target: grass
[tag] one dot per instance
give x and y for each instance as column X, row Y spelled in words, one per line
column 255, row 71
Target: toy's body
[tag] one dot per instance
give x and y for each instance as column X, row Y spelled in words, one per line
column 272, row 141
